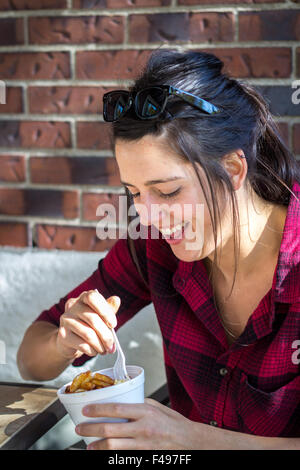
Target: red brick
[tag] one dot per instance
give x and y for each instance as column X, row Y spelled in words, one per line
column 13, row 234
column 66, row 99
column 11, row 31
column 274, row 25
column 94, row 4
column 212, row 27
column 34, row 65
column 32, row 4
column 70, row 238
column 279, row 98
column 12, row 168
column 284, row 131
column 13, row 98
column 94, row 135
column 91, row 202
column 76, row 30
column 181, row 27
column 34, row 134
column 74, row 170
column 296, row 138
column 106, row 65
column 256, row 62
column 39, row 202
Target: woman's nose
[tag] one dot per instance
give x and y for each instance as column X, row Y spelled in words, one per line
column 150, row 212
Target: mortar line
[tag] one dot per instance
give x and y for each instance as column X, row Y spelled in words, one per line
column 126, row 32
column 27, row 169
column 25, row 98
column 26, row 32
column 33, row 220
column 58, row 152
column 112, row 83
column 87, row 188
column 88, row 47
column 148, row 10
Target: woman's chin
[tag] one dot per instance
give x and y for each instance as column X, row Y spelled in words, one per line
column 186, row 255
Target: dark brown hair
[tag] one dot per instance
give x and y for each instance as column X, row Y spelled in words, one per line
column 244, row 122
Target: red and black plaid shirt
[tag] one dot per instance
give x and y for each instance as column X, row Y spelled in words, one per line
column 253, row 386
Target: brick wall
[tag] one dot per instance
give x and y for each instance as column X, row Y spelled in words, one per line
column 58, row 57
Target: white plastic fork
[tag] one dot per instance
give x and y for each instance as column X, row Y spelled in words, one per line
column 120, row 372
column 119, row 369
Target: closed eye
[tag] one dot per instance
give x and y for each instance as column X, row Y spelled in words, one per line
column 163, row 195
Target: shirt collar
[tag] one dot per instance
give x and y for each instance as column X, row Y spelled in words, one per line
column 287, row 287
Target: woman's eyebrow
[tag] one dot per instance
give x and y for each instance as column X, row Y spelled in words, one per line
column 149, row 183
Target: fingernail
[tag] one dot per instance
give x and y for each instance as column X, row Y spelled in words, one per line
column 86, row 410
column 77, row 429
column 90, row 447
column 112, row 349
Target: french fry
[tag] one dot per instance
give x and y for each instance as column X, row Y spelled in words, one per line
column 86, row 381
column 104, row 378
column 76, row 384
column 100, row 383
column 88, row 386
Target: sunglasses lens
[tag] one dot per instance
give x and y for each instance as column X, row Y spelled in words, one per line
column 150, row 101
column 115, row 105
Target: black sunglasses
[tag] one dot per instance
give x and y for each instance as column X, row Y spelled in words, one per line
column 149, row 103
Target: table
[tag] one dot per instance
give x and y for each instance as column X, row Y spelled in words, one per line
column 27, row 412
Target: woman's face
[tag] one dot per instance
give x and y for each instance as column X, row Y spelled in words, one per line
column 178, row 201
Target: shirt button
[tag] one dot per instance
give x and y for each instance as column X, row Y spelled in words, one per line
column 213, row 423
column 181, row 283
column 223, row 371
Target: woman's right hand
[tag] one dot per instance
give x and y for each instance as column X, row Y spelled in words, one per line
column 85, row 326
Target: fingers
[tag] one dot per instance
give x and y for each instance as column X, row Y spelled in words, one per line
column 115, row 444
column 115, row 302
column 96, row 323
column 69, row 304
column 116, row 410
column 160, row 406
column 97, row 302
column 106, row 430
column 82, row 337
column 90, row 317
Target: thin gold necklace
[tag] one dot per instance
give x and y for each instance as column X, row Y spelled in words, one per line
column 234, row 336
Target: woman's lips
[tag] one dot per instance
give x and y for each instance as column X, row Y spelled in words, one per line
column 177, row 237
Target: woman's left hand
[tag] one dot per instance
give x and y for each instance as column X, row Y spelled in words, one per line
column 151, row 425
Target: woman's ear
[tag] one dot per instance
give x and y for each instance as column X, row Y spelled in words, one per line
column 235, row 164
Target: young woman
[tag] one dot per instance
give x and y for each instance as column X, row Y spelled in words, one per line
column 223, row 275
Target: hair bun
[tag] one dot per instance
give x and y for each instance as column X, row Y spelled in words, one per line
column 207, row 61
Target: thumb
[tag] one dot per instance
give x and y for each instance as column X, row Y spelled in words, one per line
column 115, row 302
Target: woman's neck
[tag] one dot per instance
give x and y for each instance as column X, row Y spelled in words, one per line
column 260, row 240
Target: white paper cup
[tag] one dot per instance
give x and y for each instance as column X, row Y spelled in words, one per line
column 131, row 391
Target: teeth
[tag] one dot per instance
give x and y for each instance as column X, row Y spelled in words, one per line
column 169, row 231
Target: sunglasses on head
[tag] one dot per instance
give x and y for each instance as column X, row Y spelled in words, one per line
column 149, row 103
